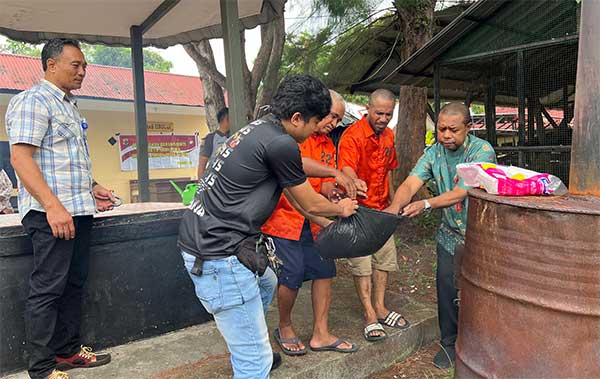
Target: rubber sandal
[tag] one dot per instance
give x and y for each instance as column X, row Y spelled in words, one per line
column 285, row 350
column 372, row 327
column 393, row 321
column 336, row 347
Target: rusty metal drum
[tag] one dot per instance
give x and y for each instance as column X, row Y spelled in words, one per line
column 530, row 297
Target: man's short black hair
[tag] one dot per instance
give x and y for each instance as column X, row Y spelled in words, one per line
column 301, row 93
column 455, row 109
column 224, row 112
column 54, row 47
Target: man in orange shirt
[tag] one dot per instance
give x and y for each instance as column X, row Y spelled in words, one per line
column 366, row 151
column 293, row 233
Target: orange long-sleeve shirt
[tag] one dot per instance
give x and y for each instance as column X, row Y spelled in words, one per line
column 372, row 157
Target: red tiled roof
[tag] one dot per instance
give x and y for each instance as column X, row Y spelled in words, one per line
column 507, row 119
column 18, row 73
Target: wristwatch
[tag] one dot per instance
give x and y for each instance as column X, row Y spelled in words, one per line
column 426, row 206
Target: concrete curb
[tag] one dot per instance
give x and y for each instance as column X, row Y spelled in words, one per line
column 371, row 358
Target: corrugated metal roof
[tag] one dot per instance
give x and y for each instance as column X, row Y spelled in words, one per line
column 490, row 26
column 18, row 73
column 424, row 57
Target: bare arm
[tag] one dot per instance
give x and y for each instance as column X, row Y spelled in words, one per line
column 405, row 192
column 202, row 161
column 444, row 200
column 391, row 192
column 60, row 221
column 350, row 172
column 315, row 169
column 315, row 204
column 319, row 220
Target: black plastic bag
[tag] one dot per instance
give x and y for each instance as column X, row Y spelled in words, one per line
column 359, row 235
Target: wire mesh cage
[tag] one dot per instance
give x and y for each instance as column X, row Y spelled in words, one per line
column 522, row 97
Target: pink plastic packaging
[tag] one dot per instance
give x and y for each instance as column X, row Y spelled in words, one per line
column 509, row 180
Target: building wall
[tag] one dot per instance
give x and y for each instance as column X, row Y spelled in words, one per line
column 108, row 118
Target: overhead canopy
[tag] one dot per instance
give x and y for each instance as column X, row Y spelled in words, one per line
column 373, row 51
column 109, row 21
column 138, row 23
column 484, row 39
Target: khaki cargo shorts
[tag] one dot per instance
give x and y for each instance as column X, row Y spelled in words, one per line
column 383, row 259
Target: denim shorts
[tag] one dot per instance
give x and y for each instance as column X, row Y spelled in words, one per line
column 301, row 260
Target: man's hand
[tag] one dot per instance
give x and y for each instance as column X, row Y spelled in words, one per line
column 414, row 209
column 349, row 207
column 392, row 209
column 361, row 188
column 105, row 199
column 347, row 183
column 60, row 221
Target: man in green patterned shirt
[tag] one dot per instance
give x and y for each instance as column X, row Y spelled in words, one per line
column 454, row 145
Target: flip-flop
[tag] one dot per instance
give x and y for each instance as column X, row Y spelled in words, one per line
column 285, row 350
column 335, row 347
column 393, row 321
column 372, row 327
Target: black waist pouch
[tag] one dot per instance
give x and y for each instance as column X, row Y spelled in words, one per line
column 251, row 256
column 256, row 253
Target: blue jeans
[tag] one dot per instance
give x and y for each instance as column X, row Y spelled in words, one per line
column 238, row 300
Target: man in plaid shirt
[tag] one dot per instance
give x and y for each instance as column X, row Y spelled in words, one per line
column 57, row 201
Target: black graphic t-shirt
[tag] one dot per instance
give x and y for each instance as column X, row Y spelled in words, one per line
column 241, row 188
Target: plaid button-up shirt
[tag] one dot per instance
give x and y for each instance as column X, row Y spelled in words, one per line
column 45, row 117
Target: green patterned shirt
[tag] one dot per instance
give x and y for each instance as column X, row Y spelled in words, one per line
column 439, row 164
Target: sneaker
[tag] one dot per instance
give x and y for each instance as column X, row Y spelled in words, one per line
column 85, row 358
column 444, row 359
column 276, row 361
column 58, row 375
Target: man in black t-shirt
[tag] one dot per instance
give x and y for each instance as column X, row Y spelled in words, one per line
column 213, row 141
column 237, row 194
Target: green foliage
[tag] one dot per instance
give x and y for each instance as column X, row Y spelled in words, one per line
column 20, row 48
column 121, row 57
column 306, row 53
column 342, row 13
column 317, row 53
column 353, row 52
column 477, row 108
column 357, row 99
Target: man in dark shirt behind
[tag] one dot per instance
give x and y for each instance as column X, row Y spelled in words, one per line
column 213, row 141
column 237, row 194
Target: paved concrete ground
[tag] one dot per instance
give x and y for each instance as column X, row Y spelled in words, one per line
column 200, row 352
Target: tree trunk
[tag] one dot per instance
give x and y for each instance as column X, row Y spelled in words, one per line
column 271, row 78
column 264, row 71
column 410, row 130
column 416, row 24
column 212, row 80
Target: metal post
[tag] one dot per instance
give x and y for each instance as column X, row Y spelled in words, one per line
column 141, row 129
column 584, row 177
column 233, row 64
column 521, row 95
column 530, row 120
column 490, row 111
column 565, row 105
column 436, row 90
column 541, row 130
